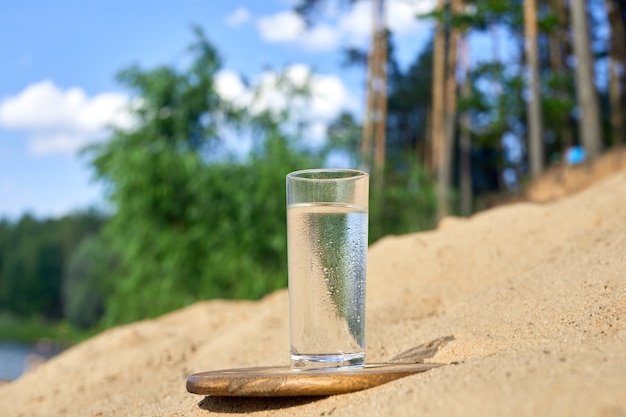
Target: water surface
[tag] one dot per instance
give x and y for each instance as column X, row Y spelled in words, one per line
column 13, row 358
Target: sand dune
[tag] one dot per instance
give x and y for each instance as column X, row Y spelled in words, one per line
column 534, row 295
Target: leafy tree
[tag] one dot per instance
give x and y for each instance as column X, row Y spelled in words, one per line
column 46, row 289
column 407, row 203
column 83, row 282
column 33, row 260
column 190, row 223
column 343, row 138
column 409, row 106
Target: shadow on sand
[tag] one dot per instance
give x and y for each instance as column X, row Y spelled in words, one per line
column 243, row 405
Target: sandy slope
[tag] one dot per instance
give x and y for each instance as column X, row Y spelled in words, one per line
column 535, row 296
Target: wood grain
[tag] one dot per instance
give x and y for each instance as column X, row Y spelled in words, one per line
column 284, row 382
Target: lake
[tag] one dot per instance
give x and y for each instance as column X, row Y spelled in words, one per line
column 14, row 355
column 12, row 359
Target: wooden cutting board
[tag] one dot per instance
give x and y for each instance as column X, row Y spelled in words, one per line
column 283, row 382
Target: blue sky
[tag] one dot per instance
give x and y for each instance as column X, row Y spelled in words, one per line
column 58, row 62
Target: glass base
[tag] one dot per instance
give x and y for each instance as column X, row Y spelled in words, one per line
column 328, row 362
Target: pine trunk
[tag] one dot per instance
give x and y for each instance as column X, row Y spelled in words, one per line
column 450, row 118
column 374, row 127
column 438, row 112
column 586, row 95
column 381, row 105
column 533, row 104
column 559, row 50
column 465, row 140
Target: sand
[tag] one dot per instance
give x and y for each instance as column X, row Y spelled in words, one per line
column 561, row 180
column 534, row 295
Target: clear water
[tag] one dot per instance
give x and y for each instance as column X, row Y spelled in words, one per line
column 12, row 359
column 327, row 269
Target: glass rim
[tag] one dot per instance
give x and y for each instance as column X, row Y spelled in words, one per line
column 355, row 174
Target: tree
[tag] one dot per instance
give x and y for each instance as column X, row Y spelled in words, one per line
column 191, row 223
column 533, row 102
column 438, row 135
column 410, row 96
column 616, row 12
column 558, row 101
column 33, row 260
column 450, row 114
column 465, row 139
column 375, row 123
column 84, row 281
column 393, row 134
column 588, row 118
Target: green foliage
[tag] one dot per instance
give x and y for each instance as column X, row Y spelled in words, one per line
column 202, row 231
column 83, row 282
column 410, row 94
column 344, row 137
column 190, row 224
column 557, row 100
column 405, row 203
column 497, row 110
column 32, row 329
column 33, row 258
column 49, row 269
column 488, row 12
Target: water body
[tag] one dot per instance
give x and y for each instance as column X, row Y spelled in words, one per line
column 13, row 358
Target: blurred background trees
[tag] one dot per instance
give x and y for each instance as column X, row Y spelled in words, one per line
column 191, row 220
column 33, row 258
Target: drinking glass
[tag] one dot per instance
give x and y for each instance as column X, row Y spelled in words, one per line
column 327, row 220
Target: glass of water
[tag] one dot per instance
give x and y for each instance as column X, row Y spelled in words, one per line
column 327, row 215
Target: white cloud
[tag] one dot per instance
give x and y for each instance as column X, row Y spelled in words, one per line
column 288, row 27
column 231, row 88
column 356, row 25
column 351, row 27
column 331, row 97
column 401, row 19
column 328, row 96
column 239, row 17
column 402, row 15
column 298, row 74
column 58, row 120
column 321, row 38
column 283, row 27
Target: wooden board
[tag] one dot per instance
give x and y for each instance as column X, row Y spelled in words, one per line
column 284, row 382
